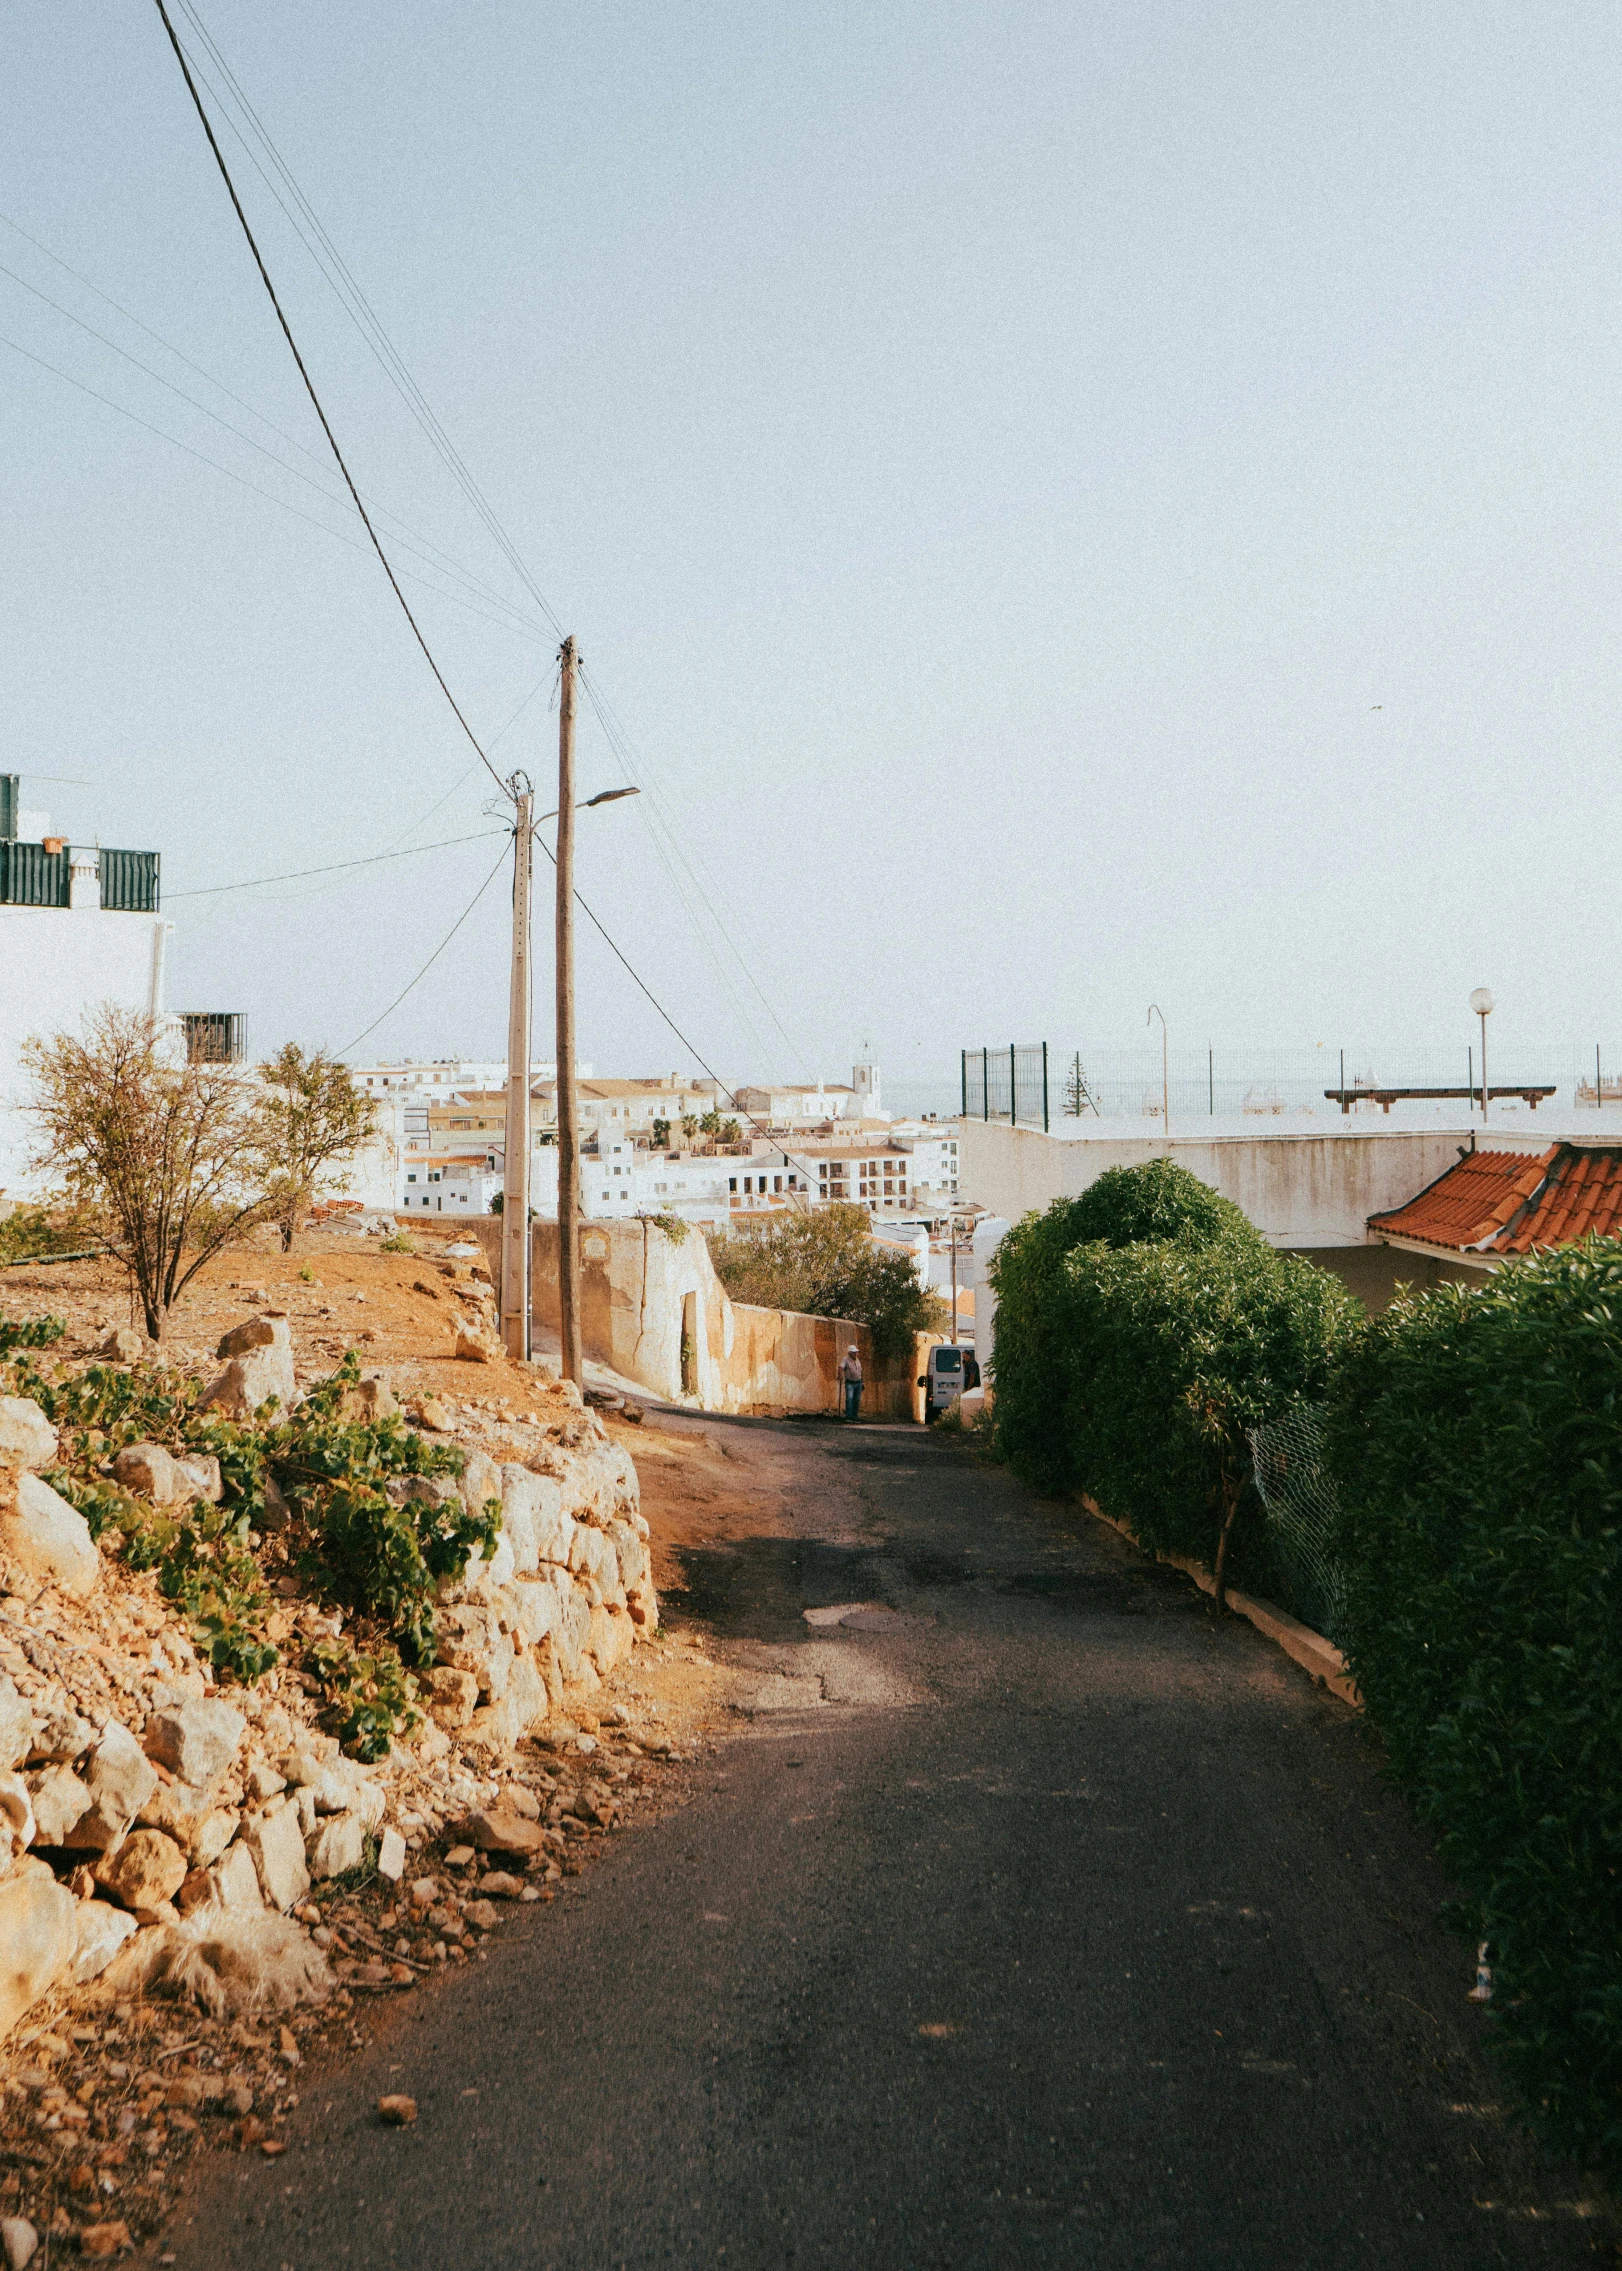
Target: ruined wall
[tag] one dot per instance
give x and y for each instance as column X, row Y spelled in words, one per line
column 653, row 1310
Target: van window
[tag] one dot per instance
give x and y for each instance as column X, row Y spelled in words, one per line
column 948, row 1360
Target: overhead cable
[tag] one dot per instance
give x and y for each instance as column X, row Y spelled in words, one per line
column 432, row 959
column 299, row 875
column 619, row 741
column 423, row 547
column 337, row 274
column 641, row 983
column 315, row 399
column 308, row 226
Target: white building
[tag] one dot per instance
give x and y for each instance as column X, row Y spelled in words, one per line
column 439, row 1076
column 808, row 1104
column 618, row 1179
column 79, row 928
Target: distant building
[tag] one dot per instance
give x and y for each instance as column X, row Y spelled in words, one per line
column 80, row 929
column 806, row 1104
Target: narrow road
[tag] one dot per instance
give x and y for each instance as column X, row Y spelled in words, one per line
column 1043, row 1921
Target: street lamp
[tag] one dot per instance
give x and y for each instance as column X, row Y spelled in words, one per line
column 1482, row 1003
column 1165, row 1067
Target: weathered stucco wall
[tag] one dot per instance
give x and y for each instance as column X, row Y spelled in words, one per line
column 1301, row 1190
column 653, row 1310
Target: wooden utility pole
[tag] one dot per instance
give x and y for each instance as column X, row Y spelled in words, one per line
column 568, row 1145
column 515, row 1327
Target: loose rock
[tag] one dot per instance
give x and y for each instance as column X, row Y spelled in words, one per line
column 45, row 1537
column 27, row 1438
column 197, row 1739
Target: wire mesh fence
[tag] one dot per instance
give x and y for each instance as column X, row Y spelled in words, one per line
column 1298, row 1503
column 1008, row 1083
column 1054, row 1084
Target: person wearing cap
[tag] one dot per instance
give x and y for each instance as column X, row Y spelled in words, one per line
column 850, row 1372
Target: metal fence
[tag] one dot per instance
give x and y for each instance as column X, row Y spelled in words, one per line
column 129, row 882
column 215, row 1036
column 1299, row 1509
column 1046, row 1084
column 1007, row 1083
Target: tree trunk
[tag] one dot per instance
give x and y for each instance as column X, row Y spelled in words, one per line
column 1232, row 1491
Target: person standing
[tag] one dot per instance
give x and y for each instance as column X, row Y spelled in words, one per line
column 850, row 1374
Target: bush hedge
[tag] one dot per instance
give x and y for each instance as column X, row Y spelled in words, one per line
column 1476, row 1439
column 1142, row 1330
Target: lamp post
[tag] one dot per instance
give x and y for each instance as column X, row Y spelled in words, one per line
column 1481, row 1002
column 1165, row 1067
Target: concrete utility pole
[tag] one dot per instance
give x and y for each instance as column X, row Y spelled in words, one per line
column 515, row 1182
column 568, row 1145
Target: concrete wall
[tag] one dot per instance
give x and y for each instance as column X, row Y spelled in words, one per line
column 57, row 964
column 1304, row 1191
column 641, row 1291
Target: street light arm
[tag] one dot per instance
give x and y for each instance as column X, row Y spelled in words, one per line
column 603, row 796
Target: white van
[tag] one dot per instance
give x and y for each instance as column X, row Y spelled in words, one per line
column 952, row 1368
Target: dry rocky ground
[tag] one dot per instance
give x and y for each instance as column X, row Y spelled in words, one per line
column 207, row 1900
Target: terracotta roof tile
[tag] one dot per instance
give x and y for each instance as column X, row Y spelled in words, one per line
column 1505, row 1202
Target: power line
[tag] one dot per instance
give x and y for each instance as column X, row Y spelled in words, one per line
column 299, row 875
column 315, row 399
column 619, row 742
column 230, row 473
column 432, row 959
column 644, row 988
column 443, row 563
column 341, row 281
column 339, row 278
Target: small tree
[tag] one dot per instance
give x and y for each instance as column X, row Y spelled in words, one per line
column 164, row 1157
column 710, row 1124
column 827, row 1264
column 661, row 1135
column 729, row 1132
column 689, row 1126
column 313, row 1120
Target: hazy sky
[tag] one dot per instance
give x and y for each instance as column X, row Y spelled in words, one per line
column 1071, row 506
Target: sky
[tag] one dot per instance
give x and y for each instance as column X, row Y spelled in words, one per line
column 1068, row 506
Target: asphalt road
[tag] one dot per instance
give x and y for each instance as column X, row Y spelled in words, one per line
column 1054, row 1924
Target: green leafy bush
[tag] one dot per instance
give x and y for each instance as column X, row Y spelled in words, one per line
column 381, row 1560
column 826, row 1264
column 32, row 1332
column 371, row 1696
column 31, row 1232
column 1132, row 1368
column 1476, row 1440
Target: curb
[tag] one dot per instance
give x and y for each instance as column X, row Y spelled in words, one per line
column 1316, row 1655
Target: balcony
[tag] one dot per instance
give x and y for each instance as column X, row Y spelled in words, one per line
column 39, row 875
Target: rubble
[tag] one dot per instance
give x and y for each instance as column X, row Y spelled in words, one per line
column 185, row 1840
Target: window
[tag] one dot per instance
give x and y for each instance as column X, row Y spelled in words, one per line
column 411, row 1178
column 777, row 1182
column 732, row 1182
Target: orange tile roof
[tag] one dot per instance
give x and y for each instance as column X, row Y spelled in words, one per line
column 1507, row 1202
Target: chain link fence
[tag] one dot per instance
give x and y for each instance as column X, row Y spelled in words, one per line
column 1298, row 1503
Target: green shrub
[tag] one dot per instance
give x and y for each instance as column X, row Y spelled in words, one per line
column 383, row 1561
column 33, row 1332
column 1044, row 1308
column 1131, row 1206
column 827, row 1264
column 370, row 1696
column 31, row 1232
column 388, row 1559
column 1476, row 1440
